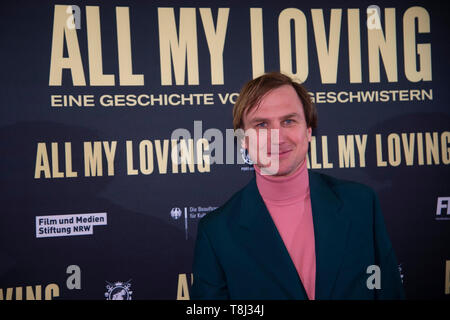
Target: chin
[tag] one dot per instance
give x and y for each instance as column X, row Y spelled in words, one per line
column 286, row 170
column 282, row 171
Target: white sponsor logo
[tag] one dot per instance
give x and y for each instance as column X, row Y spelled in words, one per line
column 68, row 224
column 118, row 291
column 190, row 213
column 175, row 213
column 443, row 208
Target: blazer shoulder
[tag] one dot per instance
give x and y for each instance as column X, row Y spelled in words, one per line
column 358, row 202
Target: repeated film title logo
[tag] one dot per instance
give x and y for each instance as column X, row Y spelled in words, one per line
column 185, row 153
column 179, row 53
column 179, row 58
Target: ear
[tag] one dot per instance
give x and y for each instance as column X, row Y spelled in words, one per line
column 309, row 133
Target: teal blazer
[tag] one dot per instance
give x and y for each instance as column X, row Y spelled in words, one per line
column 239, row 253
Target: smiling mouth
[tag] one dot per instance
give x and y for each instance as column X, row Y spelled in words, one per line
column 280, row 153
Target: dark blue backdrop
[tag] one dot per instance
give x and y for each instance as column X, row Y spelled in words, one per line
column 142, row 243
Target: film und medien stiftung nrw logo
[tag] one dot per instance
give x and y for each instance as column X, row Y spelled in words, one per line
column 189, row 213
column 69, row 224
column 118, row 290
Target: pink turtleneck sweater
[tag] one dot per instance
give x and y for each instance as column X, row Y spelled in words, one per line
column 289, row 203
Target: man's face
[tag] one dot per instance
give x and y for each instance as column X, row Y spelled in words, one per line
column 279, row 109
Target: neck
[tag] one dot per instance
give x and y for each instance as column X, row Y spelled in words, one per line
column 281, row 188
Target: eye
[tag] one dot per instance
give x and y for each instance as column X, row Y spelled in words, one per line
column 288, row 121
column 261, row 125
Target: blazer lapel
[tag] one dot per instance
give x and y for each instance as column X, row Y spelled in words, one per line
column 260, row 237
column 264, row 244
column 330, row 233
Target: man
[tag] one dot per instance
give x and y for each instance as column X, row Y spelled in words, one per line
column 291, row 233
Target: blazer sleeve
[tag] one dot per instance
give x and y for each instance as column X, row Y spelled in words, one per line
column 391, row 283
column 209, row 278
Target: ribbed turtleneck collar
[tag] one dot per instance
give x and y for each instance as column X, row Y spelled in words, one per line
column 283, row 189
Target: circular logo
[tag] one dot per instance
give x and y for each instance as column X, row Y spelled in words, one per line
column 246, row 156
column 118, row 291
column 175, row 213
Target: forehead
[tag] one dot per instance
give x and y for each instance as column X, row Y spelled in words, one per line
column 277, row 103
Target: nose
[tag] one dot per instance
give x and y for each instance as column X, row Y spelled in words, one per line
column 277, row 139
column 276, row 135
